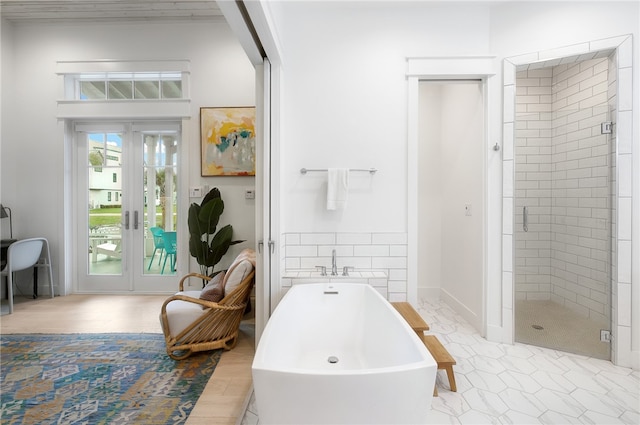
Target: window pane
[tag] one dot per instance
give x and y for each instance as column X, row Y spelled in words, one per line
column 172, row 89
column 120, row 90
column 147, row 90
column 92, row 90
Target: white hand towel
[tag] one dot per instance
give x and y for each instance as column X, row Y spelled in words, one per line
column 337, row 188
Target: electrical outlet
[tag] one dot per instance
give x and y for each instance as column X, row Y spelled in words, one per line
column 605, row 335
column 249, row 194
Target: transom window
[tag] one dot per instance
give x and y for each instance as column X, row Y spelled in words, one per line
column 128, row 86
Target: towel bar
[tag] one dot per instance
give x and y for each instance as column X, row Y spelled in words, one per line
column 368, row 170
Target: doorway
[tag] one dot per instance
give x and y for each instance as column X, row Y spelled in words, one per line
column 451, row 207
column 126, row 206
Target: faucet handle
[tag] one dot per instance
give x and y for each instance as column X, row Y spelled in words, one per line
column 323, row 270
column 345, row 270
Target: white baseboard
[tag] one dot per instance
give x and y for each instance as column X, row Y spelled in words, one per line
column 462, row 310
column 494, row 333
column 429, row 293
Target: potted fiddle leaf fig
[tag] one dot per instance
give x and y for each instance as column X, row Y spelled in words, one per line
column 205, row 244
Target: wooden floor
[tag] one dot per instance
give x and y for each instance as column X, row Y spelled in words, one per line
column 224, row 397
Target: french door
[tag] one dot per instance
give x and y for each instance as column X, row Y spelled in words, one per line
column 126, row 206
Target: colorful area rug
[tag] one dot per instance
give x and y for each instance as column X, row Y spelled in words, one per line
column 98, row 379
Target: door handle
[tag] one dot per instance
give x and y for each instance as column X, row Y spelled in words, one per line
column 272, row 246
column 135, row 219
column 126, row 220
column 260, row 245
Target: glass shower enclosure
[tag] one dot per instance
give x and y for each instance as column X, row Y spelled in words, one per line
column 564, row 190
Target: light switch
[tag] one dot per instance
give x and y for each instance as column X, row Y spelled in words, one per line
column 249, row 194
column 195, row 192
column 467, row 209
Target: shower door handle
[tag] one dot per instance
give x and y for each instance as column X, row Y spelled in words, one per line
column 525, row 219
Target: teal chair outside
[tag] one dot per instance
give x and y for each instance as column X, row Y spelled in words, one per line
column 170, row 246
column 158, row 243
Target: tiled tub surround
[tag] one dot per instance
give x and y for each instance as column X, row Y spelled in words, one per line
column 562, row 175
column 377, row 279
column 380, row 259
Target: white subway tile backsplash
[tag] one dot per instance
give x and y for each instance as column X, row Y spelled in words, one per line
column 371, row 250
column 388, row 262
column 317, row 238
column 398, row 250
column 397, row 274
column 381, row 256
column 301, row 251
column 354, row 238
column 389, row 238
column 341, row 250
column 292, row 239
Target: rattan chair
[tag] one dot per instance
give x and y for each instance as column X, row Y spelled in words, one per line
column 214, row 325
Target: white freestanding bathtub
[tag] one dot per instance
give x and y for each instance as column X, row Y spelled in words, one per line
column 339, row 353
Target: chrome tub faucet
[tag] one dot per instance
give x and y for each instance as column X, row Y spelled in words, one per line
column 334, row 265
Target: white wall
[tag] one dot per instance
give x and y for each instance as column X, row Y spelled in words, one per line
column 345, row 96
column 32, row 141
column 6, row 59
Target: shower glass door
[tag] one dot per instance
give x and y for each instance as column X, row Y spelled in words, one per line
column 563, row 206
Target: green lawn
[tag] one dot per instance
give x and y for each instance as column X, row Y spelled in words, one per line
column 112, row 216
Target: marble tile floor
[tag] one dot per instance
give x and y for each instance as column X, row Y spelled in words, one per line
column 520, row 384
column 223, row 400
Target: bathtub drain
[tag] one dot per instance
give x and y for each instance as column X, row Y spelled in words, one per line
column 332, row 359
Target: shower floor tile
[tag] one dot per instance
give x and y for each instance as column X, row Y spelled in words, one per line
column 548, row 324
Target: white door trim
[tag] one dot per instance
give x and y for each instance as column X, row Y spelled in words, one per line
column 441, row 68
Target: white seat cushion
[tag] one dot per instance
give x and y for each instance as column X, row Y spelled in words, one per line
column 181, row 314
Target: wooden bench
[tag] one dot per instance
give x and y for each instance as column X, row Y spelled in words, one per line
column 412, row 317
column 442, row 357
column 437, row 350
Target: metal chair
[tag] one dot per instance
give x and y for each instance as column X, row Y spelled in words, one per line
column 170, row 246
column 158, row 243
column 24, row 254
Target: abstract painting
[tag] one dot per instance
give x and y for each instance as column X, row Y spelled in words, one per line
column 228, row 141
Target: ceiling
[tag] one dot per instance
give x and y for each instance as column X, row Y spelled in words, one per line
column 83, row 11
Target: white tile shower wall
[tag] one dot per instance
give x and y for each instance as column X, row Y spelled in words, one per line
column 581, row 188
column 533, row 184
column 563, row 167
column 385, row 252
